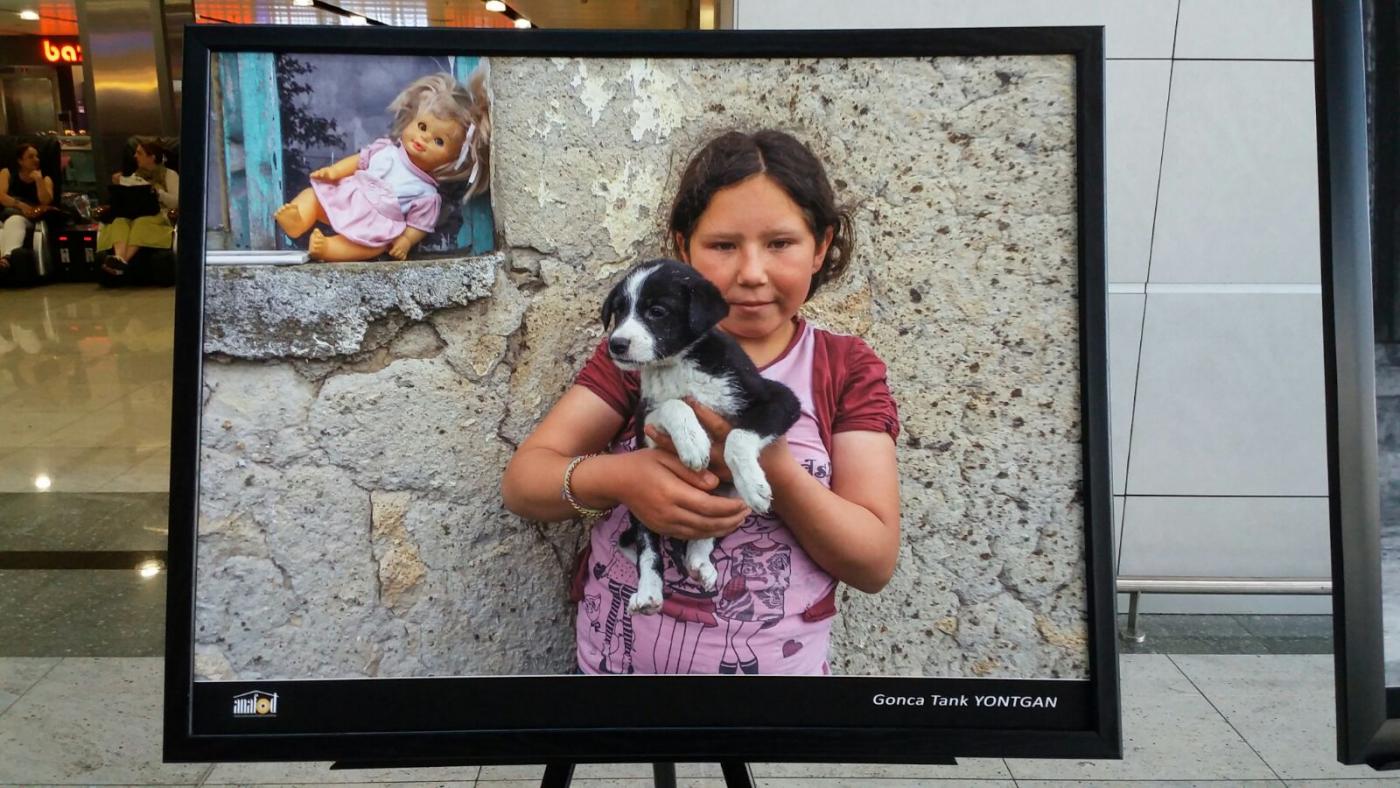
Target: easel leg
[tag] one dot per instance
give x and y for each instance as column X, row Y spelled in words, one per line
column 664, row 775
column 557, row 775
column 737, row 774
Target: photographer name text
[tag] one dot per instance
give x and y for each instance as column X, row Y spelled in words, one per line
column 969, row 701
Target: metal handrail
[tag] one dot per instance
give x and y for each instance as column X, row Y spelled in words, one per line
column 1137, row 585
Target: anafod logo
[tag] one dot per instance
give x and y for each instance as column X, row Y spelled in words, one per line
column 255, row 704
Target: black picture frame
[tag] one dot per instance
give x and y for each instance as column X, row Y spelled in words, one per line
column 783, row 718
column 1368, row 711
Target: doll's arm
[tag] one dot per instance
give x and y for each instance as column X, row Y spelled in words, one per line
column 341, row 169
column 410, row 238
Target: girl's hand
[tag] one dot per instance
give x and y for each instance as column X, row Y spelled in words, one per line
column 673, row 500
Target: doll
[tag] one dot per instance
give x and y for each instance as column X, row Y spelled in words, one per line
column 385, row 197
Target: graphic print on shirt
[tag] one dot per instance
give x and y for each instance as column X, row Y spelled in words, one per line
column 621, row 574
column 687, row 610
column 753, row 587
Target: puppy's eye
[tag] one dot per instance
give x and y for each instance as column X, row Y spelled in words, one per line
column 656, row 312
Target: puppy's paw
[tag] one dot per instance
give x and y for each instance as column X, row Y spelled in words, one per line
column 755, row 491
column 703, row 573
column 693, row 448
column 644, row 604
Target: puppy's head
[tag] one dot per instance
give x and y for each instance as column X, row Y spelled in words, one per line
column 657, row 310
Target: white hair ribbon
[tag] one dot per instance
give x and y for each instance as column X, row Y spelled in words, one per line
column 466, row 149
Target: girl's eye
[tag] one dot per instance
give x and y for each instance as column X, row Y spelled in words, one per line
column 781, row 243
column 438, row 141
column 422, row 126
column 722, row 246
column 656, row 312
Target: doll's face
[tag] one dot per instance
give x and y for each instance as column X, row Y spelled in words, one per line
column 431, row 142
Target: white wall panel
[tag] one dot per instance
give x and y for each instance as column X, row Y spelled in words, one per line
column 1230, row 396
column 1134, row 28
column 1239, row 176
column 1250, row 29
column 1135, row 115
column 1124, row 333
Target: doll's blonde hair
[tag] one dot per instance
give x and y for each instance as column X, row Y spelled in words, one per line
column 470, row 105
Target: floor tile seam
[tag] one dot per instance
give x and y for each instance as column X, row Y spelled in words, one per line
column 38, row 444
column 1227, row 720
column 31, row 686
column 208, row 772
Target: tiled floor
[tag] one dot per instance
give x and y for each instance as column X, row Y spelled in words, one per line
column 84, row 453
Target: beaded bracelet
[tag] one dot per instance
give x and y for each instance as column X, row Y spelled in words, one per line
column 588, row 514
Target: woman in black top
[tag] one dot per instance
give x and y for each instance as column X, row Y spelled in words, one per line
column 25, row 194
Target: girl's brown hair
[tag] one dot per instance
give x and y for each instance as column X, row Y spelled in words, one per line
column 735, row 156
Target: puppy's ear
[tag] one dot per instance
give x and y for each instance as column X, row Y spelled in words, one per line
column 707, row 306
column 613, row 302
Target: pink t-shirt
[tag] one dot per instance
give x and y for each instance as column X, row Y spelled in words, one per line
column 772, row 609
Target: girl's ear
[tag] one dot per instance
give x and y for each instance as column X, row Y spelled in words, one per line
column 683, row 248
column 822, row 246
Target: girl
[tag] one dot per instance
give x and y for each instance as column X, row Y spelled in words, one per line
column 385, row 197
column 754, row 214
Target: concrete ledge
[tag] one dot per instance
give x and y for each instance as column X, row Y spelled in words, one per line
column 323, row 310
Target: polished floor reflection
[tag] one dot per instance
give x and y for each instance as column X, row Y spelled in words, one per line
column 85, row 378
column 85, row 387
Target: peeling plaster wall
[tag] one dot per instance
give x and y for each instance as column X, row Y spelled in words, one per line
column 357, row 418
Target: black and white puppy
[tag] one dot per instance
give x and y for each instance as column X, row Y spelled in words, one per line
column 663, row 317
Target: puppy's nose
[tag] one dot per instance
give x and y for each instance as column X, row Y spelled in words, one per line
column 618, row 346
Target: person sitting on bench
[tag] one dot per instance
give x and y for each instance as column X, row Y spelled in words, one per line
column 140, row 222
column 26, row 193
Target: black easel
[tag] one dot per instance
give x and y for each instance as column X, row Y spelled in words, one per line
column 736, row 775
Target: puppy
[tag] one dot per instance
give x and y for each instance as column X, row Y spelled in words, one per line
column 663, row 317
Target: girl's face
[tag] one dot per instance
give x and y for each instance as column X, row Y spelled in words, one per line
column 29, row 160
column 144, row 160
column 431, row 142
column 753, row 243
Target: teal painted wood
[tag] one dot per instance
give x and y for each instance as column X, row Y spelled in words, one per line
column 478, row 233
column 262, row 146
column 233, row 141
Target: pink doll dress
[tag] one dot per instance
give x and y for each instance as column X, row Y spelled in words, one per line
column 388, row 193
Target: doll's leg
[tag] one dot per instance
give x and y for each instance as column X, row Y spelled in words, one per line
column 339, row 249
column 300, row 215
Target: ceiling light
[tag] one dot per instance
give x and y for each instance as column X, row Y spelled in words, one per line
column 356, row 19
column 522, row 23
column 30, row 16
column 496, row 5
column 304, row 3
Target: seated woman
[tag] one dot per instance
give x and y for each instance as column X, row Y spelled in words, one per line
column 26, row 194
column 122, row 238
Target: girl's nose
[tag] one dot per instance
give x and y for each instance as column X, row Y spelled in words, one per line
column 751, row 270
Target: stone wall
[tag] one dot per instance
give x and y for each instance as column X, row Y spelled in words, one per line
column 358, row 417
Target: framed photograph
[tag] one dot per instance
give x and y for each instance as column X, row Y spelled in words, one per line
column 400, row 264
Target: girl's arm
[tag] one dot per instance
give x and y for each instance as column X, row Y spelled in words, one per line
column 852, row 529
column 341, row 169
column 667, row 496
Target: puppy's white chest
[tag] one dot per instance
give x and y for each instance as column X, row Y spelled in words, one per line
column 684, row 379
